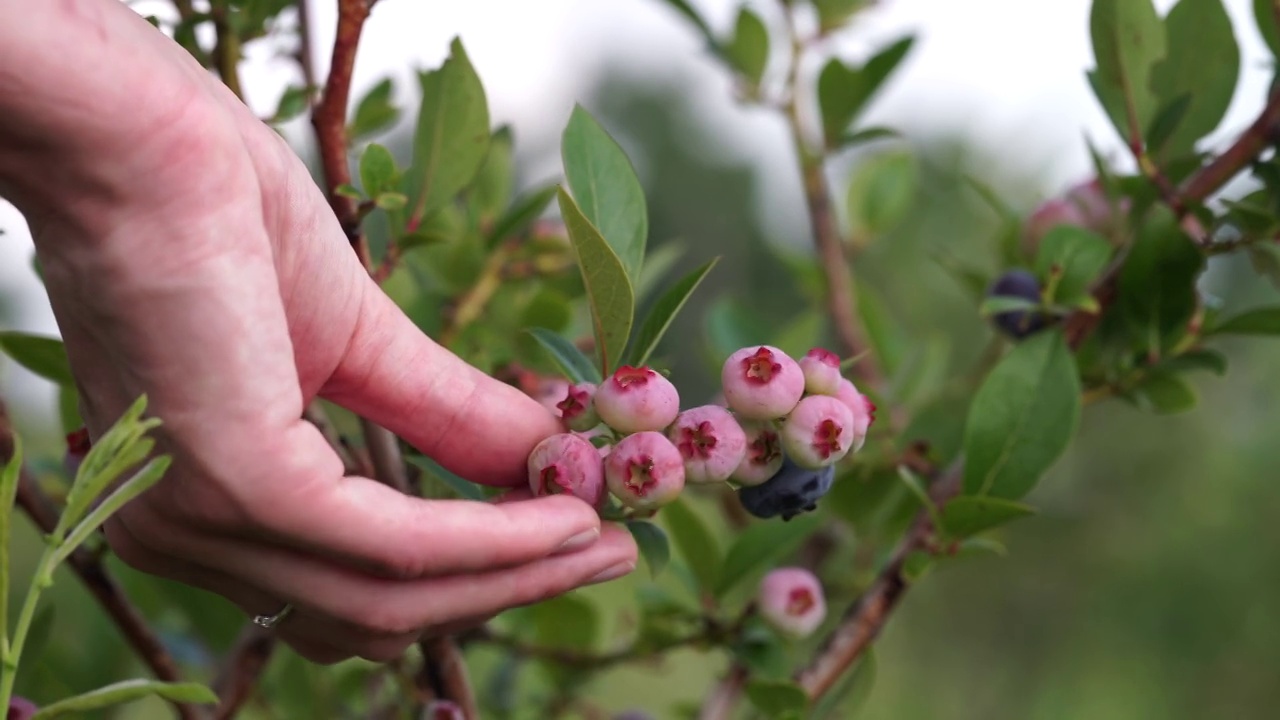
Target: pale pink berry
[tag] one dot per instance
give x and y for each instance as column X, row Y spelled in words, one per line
column 548, row 391
column 791, row 600
column 821, row 369
column 578, row 408
column 637, row 399
column 567, row 464
column 21, row 708
column 644, row 471
column 763, row 458
column 761, row 382
column 864, row 412
column 443, row 710
column 818, row 432
column 711, row 442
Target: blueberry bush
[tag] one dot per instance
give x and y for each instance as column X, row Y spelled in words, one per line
column 786, row 509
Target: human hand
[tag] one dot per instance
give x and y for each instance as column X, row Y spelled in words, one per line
column 189, row 255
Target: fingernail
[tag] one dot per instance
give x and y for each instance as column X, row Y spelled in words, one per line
column 582, row 540
column 613, row 573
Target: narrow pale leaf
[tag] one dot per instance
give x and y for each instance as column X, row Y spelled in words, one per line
column 1259, row 321
column 127, row 691
column 567, row 356
column 465, row 489
column 695, row 542
column 141, row 481
column 523, row 211
column 44, row 356
column 662, row 314
column 653, row 544
column 967, row 515
column 608, row 286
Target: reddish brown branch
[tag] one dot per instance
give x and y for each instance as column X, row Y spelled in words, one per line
column 445, row 671
column 1263, row 132
column 865, row 619
column 330, row 121
column 88, row 567
column 244, row 666
column 720, row 703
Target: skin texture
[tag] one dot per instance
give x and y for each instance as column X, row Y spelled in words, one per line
column 189, row 255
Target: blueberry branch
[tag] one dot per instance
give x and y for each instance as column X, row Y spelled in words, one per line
column 89, row 568
column 243, row 668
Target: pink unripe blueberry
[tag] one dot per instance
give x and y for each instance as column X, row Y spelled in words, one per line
column 763, row 458
column 637, row 399
column 443, row 710
column 644, row 471
column 711, row 442
column 761, row 382
column 818, row 432
column 578, row 408
column 791, row 600
column 20, row 709
column 821, row 369
column 567, row 464
column 864, row 412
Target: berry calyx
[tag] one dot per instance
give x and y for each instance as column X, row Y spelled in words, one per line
column 710, row 441
column 645, row 471
column 636, row 400
column 821, row 369
column 792, row 602
column 819, row 432
column 578, row 409
column 761, row 382
column 567, row 464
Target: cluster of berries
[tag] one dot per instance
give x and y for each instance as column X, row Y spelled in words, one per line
column 784, row 426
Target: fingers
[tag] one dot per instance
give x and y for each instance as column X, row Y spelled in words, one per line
column 474, row 425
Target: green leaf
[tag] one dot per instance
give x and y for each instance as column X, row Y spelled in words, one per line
column 452, row 135
column 685, row 9
column 881, row 192
column 348, row 190
column 777, row 699
column 44, row 356
column 1157, row 294
column 843, row 91
column 375, row 112
column 1199, row 359
column 1166, row 393
column 1128, row 39
column 964, row 516
column 748, row 51
column 888, row 341
column 1264, row 15
column 917, row 488
column 1022, row 418
column 1077, row 255
column 465, row 489
column 567, row 622
column 656, row 266
column 293, row 102
column 1202, row 65
column 866, row 135
column 378, row 171
column 606, row 189
column 523, row 211
column 608, row 286
column 652, row 543
column 1258, row 321
column 695, row 542
column 69, row 409
column 761, row 546
column 141, row 481
column 391, row 201
column 567, row 356
column 128, row 691
column 832, row 14
column 123, row 446
column 490, row 192
column 1166, row 123
column 8, row 493
column 664, row 311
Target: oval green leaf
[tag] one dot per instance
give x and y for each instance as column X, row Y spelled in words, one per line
column 608, row 286
column 694, row 541
column 1022, row 418
column 761, row 546
column 653, row 544
column 44, row 356
column 567, row 356
column 127, row 691
column 966, row 515
column 664, row 311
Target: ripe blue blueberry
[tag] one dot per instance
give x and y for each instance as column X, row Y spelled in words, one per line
column 1018, row 324
column 791, row 491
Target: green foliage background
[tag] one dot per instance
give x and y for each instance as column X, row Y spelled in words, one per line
column 1146, row 587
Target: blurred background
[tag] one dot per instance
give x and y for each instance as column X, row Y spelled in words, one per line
column 1147, row 586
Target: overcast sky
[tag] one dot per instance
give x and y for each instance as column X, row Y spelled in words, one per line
column 1006, row 73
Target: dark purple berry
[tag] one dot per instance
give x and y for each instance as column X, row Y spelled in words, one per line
column 1018, row 324
column 793, row 490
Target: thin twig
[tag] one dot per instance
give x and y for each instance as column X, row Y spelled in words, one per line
column 384, row 451
column 306, row 61
column 446, row 671
column 865, row 619
column 589, row 660
column 330, row 122
column 89, row 568
column 351, row 463
column 1264, row 131
column 721, row 701
column 226, row 50
column 244, row 666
